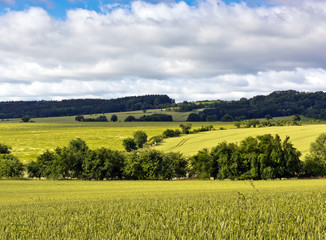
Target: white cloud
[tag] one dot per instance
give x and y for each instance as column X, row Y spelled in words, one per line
column 213, row 50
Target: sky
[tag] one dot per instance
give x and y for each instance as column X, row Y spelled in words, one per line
column 189, row 50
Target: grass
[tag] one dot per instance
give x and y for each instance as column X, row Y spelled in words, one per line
column 300, row 136
column 290, row 209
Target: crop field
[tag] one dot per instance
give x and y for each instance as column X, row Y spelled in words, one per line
column 280, row 209
column 300, row 136
column 28, row 140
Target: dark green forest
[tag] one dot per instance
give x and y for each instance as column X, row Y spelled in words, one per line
column 72, row 107
column 276, row 104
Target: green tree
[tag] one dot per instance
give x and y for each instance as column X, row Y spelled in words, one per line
column 295, row 119
column 140, row 138
column 10, row 166
column 268, row 117
column 79, row 118
column 114, row 118
column 227, row 118
column 193, row 117
column 185, row 128
column 4, row 149
column 129, row 144
column 130, row 119
column 25, row 119
column 318, row 148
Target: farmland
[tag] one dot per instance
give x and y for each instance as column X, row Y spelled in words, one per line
column 28, row 140
column 300, row 136
column 287, row 209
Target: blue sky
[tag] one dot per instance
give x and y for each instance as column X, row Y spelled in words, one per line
column 204, row 49
column 58, row 8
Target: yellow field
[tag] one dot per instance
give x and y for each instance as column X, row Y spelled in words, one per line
column 300, row 136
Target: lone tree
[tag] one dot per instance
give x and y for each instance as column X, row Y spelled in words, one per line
column 140, row 138
column 26, row 119
column 114, row 118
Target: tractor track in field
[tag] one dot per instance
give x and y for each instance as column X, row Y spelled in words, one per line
column 183, row 141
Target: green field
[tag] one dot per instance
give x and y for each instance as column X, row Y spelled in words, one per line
column 28, row 140
column 287, row 209
column 300, row 136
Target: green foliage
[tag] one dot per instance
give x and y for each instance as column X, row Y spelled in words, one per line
column 194, row 117
column 75, row 107
column 171, row 133
column 79, row 118
column 268, row 117
column 315, row 162
column 98, row 119
column 114, row 118
column 10, row 166
column 262, row 157
column 25, row 119
column 153, row 164
column 151, row 118
column 185, row 128
column 227, row 118
column 140, row 138
column 4, row 149
column 129, row 144
column 103, row 164
column 313, row 167
column 130, row 119
column 318, row 148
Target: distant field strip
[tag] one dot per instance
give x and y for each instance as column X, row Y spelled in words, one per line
column 300, row 136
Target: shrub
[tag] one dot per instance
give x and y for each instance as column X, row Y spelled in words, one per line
column 129, row 144
column 10, row 166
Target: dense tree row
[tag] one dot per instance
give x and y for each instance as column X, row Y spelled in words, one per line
column 280, row 103
column 151, row 118
column 262, row 157
column 78, row 161
column 18, row 109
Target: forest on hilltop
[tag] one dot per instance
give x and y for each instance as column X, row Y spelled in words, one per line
column 72, row 107
column 276, row 104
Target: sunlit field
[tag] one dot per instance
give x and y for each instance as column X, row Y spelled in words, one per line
column 28, row 140
column 300, row 136
column 279, row 209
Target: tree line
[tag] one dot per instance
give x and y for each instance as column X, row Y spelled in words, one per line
column 261, row 157
column 73, row 107
column 276, row 104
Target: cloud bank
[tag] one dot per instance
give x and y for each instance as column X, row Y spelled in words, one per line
column 213, row 50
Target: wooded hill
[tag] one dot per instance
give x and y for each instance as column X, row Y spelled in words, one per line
column 276, row 104
column 18, row 109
